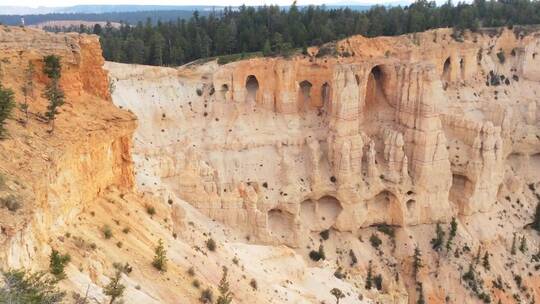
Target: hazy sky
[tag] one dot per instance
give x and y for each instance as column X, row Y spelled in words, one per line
column 35, row 3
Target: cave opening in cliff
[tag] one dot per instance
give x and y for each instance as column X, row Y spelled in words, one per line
column 304, row 94
column 447, row 67
column 224, row 90
column 325, row 95
column 411, row 204
column 384, row 208
column 252, row 86
column 321, row 214
column 280, row 223
column 460, row 191
column 462, row 68
column 376, row 105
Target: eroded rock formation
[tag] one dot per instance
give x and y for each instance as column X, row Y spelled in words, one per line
column 382, row 140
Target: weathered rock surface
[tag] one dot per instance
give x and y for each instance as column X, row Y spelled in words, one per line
column 403, row 131
column 273, row 158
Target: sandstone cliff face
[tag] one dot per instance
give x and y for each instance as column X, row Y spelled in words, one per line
column 405, row 131
column 76, row 181
column 56, row 175
column 358, row 129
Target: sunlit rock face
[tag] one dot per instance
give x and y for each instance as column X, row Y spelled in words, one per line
column 358, row 154
column 400, row 131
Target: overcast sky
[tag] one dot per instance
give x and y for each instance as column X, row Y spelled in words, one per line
column 36, row 3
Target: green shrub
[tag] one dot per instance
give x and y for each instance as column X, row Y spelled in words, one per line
column 253, row 284
column 378, row 281
column 124, row 268
column 451, row 234
column 417, row 262
column 325, row 234
column 536, row 222
column 354, row 260
column 107, row 232
column 160, row 257
column 375, row 241
column 523, row 245
column 387, row 229
column 501, row 56
column 318, row 255
column 57, row 263
column 240, row 56
column 438, row 241
column 11, row 202
column 150, row 210
column 207, row 296
column 369, row 277
column 339, row 273
column 211, row 244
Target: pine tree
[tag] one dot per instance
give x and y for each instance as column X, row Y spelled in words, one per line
column 378, row 280
column 225, row 296
column 417, row 262
column 57, row 263
column 536, row 221
column 523, row 245
column 160, row 257
column 451, row 234
column 114, row 289
column 438, row 241
column 53, row 92
column 420, row 290
column 156, row 49
column 369, row 277
column 7, row 104
column 513, row 249
column 267, row 50
column 20, row 286
column 478, row 254
column 338, row 294
column 485, row 261
column 27, row 89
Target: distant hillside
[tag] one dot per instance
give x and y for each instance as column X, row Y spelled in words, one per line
column 129, row 17
column 11, row 15
column 72, row 23
column 99, row 9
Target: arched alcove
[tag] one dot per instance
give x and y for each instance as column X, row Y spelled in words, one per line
column 384, row 208
column 304, row 94
column 252, row 87
column 224, row 90
column 321, row 214
column 462, row 68
column 447, row 72
column 411, row 204
column 280, row 223
column 375, row 95
column 461, row 191
column 325, row 95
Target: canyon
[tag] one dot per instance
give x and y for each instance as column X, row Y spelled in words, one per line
column 359, row 148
